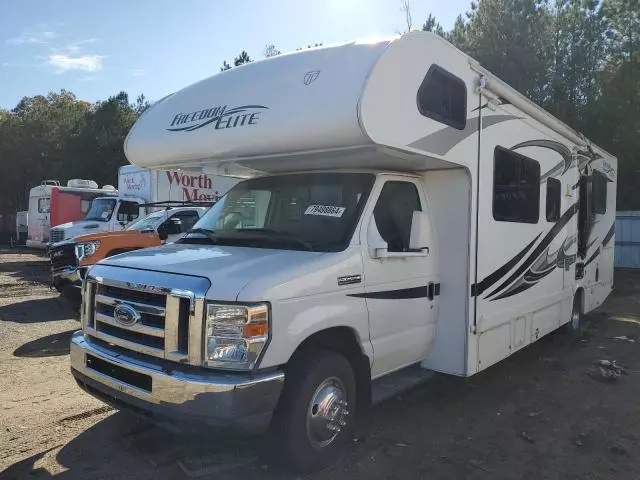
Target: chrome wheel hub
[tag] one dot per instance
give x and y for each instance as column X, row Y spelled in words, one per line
column 327, row 412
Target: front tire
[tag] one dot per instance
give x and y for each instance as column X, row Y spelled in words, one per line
column 315, row 416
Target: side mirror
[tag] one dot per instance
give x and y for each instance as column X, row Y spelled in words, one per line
column 377, row 246
column 162, row 233
column 419, row 238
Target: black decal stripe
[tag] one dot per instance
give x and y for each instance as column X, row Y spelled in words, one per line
column 592, row 257
column 502, row 271
column 609, row 235
column 546, row 241
column 403, row 293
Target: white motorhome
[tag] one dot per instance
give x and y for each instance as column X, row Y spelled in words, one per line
column 408, row 210
column 140, row 188
column 51, row 204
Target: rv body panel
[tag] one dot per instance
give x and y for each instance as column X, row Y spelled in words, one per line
column 473, row 220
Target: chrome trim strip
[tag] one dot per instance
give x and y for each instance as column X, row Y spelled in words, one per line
column 136, row 347
column 197, row 334
column 171, row 325
column 141, row 307
column 138, row 327
column 185, row 294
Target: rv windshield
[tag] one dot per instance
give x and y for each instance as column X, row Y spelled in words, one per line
column 101, row 210
column 146, row 223
column 316, row 212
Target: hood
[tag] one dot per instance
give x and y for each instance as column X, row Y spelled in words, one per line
column 104, row 235
column 72, row 229
column 230, row 269
column 85, row 224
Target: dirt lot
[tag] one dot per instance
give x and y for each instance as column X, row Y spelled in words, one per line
column 537, row 415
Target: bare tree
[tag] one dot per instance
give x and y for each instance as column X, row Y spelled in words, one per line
column 271, row 51
column 405, row 6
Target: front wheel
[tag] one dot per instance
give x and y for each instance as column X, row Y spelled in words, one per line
column 315, row 416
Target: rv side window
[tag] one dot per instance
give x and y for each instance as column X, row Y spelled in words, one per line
column 553, row 199
column 128, row 211
column 394, row 212
column 443, row 97
column 599, row 193
column 44, row 205
column 516, row 187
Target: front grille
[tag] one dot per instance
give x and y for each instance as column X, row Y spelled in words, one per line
column 149, row 334
column 56, row 235
column 155, row 299
column 149, row 313
column 63, row 257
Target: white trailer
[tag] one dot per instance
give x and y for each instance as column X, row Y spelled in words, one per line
column 408, row 209
column 140, row 188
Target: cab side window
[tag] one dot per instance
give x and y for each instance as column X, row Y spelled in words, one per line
column 187, row 218
column 128, row 211
column 44, row 205
column 393, row 214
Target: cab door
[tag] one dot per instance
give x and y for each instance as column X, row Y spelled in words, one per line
column 401, row 288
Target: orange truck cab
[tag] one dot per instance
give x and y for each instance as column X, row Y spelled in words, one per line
column 70, row 259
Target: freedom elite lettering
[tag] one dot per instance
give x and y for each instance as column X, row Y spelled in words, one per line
column 325, row 210
column 222, row 117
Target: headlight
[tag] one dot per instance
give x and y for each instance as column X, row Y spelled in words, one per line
column 235, row 335
column 86, row 249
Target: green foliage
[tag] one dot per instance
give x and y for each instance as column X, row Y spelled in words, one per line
column 60, row 137
column 242, row 59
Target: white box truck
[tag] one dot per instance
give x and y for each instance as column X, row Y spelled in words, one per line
column 409, row 211
column 140, row 188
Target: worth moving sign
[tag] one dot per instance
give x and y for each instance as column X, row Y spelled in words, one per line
column 172, row 185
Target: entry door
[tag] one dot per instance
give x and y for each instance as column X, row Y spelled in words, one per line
column 401, row 304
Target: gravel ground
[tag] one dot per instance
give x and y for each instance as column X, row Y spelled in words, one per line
column 537, row 415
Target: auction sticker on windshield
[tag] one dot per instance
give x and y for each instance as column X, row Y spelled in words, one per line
column 325, row 210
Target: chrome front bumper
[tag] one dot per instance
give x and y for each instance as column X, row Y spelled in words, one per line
column 176, row 396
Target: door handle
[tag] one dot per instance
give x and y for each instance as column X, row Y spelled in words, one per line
column 433, row 290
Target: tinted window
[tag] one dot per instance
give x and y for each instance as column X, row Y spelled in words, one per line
column 393, row 214
column 553, row 199
column 599, row 193
column 128, row 211
column 516, row 187
column 443, row 97
column 187, row 219
column 44, row 205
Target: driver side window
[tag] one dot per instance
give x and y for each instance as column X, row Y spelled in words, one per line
column 393, row 213
column 128, row 211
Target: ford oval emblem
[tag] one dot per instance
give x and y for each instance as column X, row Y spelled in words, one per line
column 126, row 315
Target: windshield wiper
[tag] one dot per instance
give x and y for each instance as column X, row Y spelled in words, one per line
column 278, row 233
column 210, row 234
